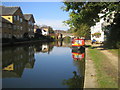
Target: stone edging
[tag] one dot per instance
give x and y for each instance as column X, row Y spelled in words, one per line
column 90, row 80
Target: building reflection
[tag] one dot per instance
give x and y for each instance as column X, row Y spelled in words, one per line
column 16, row 59
column 44, row 47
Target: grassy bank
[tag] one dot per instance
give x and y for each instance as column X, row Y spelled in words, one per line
column 105, row 73
column 114, row 51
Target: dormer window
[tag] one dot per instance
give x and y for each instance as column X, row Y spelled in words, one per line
column 17, row 17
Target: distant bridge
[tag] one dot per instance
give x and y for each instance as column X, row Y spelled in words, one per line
column 63, row 35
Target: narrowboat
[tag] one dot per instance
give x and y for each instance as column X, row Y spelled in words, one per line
column 78, row 44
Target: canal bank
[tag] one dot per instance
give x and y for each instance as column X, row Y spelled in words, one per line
column 90, row 80
column 100, row 68
column 25, row 42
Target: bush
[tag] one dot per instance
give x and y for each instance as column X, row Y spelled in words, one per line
column 118, row 44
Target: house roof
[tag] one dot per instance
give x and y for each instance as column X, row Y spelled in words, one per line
column 4, row 20
column 28, row 16
column 9, row 10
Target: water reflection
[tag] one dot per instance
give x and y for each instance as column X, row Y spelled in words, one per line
column 43, row 47
column 16, row 59
column 52, row 65
column 78, row 54
column 77, row 81
column 62, row 44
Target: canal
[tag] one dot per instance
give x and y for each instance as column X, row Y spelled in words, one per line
column 43, row 65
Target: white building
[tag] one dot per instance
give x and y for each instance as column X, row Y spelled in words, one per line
column 98, row 28
column 44, row 32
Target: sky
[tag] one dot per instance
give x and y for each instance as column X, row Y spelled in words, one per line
column 45, row 13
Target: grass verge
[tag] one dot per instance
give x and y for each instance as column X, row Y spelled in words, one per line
column 114, row 51
column 100, row 60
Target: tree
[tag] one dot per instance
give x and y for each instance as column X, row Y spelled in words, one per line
column 87, row 13
column 71, row 30
column 50, row 29
column 113, row 39
column 38, row 33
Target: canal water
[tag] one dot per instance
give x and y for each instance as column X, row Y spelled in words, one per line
column 43, row 65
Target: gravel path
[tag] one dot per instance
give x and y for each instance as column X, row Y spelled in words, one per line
column 90, row 74
column 111, row 57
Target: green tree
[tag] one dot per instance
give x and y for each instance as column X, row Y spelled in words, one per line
column 51, row 29
column 87, row 13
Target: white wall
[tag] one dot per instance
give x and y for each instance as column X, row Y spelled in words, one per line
column 44, row 33
column 98, row 28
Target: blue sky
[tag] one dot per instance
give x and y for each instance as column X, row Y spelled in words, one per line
column 45, row 13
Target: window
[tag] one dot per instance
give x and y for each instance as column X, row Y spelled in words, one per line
column 29, row 29
column 32, row 24
column 21, row 28
column 21, row 35
column 17, row 27
column 29, row 22
column 9, row 26
column 5, row 35
column 4, row 25
column 9, row 35
column 15, row 18
column 108, row 20
column 0, row 24
column 8, row 17
column 0, row 35
column 14, row 27
column 18, row 18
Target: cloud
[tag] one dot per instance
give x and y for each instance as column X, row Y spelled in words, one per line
column 55, row 24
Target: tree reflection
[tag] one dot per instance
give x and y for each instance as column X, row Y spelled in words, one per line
column 75, row 82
